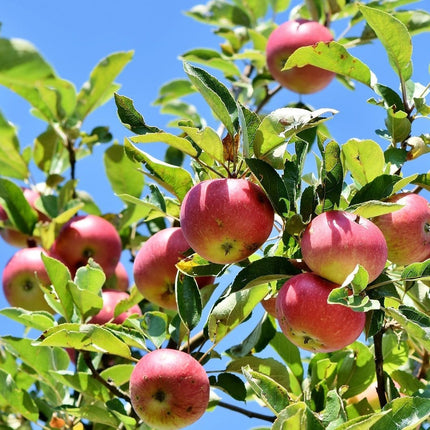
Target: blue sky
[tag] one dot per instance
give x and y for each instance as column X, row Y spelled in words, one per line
column 74, row 36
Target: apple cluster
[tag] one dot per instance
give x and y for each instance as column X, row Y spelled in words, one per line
column 81, row 238
column 333, row 244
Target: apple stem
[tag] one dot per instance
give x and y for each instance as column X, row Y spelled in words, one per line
column 249, row 414
column 379, row 367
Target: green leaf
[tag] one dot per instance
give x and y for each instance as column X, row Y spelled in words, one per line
column 100, row 87
column 88, row 337
column 334, row 412
column 272, row 183
column 266, row 366
column 395, row 352
column 334, row 57
column 398, row 125
column 96, row 412
column 216, row 95
column 373, row 208
column 60, row 277
column 177, row 142
column 404, row 413
column 155, row 326
column 411, row 325
column 232, row 310
column 40, row 320
column 173, row 178
column 20, row 61
column 188, row 300
column 122, row 173
column 416, row 271
column 206, row 139
column 394, row 36
column 332, row 176
column 17, row 399
column 19, row 211
column 130, row 117
column 290, row 353
column 281, row 124
column 262, row 271
column 297, row 416
column 173, row 90
column 220, row 13
column 274, row 395
column 118, row 374
column 364, row 159
column 231, row 384
column 12, row 164
column 378, row 189
column 212, row 58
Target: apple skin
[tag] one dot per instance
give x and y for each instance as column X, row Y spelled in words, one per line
column 20, row 285
column 283, row 41
column 14, row 237
column 311, row 323
column 119, row 280
column 154, row 267
column 334, row 242
column 86, row 236
column 226, row 220
column 407, row 230
column 169, row 389
column 110, row 299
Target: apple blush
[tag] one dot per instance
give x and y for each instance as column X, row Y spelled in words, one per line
column 22, row 277
column 154, row 268
column 88, row 236
column 334, row 242
column 311, row 323
column 283, row 41
column 407, row 230
column 169, row 389
column 226, row 220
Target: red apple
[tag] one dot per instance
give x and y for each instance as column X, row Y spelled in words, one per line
column 407, row 230
column 11, row 235
column 88, row 236
column 334, row 242
column 269, row 305
column 154, row 267
column 283, row 41
column 22, row 277
column 110, row 299
column 311, row 323
column 119, row 280
column 226, row 220
column 169, row 389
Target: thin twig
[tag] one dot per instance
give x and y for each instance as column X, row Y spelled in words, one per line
column 248, row 413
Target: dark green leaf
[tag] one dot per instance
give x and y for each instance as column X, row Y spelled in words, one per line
column 378, row 189
column 130, row 117
column 263, row 271
column 272, row 183
column 188, row 300
column 231, row 384
column 216, row 95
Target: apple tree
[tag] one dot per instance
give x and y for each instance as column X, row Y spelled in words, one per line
column 273, row 271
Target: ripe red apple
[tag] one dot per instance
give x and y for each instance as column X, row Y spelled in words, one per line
column 407, row 230
column 226, row 220
column 110, row 299
column 22, row 277
column 119, row 280
column 88, row 236
column 154, row 267
column 283, row 41
column 311, row 323
column 269, row 305
column 169, row 389
column 334, row 242
column 12, row 236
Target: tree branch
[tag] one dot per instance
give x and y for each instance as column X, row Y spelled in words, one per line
column 379, row 368
column 249, row 414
